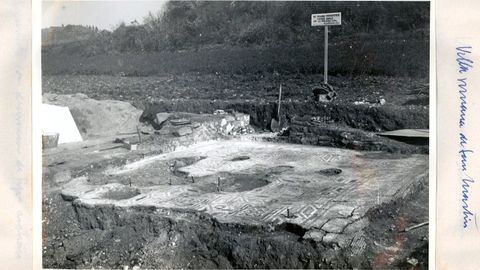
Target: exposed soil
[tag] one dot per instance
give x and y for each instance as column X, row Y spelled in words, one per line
column 76, row 235
column 258, row 88
column 365, row 117
column 147, row 238
column 390, row 246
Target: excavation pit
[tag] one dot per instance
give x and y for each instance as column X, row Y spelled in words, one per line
column 306, row 197
column 316, row 184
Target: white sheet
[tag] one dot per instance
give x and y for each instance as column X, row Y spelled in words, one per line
column 57, row 119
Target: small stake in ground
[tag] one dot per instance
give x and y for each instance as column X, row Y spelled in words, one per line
column 218, row 184
column 172, row 169
column 139, row 135
column 279, row 104
column 193, row 180
column 288, row 212
column 130, row 181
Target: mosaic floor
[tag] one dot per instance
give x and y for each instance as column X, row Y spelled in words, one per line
column 242, row 181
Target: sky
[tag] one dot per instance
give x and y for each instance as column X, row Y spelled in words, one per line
column 102, row 14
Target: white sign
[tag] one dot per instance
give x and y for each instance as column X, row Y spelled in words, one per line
column 326, row 19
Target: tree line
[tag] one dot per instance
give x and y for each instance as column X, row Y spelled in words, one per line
column 195, row 24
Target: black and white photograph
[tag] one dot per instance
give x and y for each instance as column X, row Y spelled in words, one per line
column 235, row 134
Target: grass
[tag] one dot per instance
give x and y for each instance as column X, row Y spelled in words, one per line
column 360, row 57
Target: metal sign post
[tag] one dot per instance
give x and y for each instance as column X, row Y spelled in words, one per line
column 325, row 57
column 326, row 19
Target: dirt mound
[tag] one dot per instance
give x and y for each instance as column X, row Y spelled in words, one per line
column 95, row 118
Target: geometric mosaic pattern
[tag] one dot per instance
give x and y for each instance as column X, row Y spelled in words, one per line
column 296, row 192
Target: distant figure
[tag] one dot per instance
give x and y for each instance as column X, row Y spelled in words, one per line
column 324, row 92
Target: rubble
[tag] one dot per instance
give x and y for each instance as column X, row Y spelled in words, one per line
column 182, row 131
column 315, row 235
column 160, row 118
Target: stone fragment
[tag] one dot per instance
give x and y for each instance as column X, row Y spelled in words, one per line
column 182, row 131
column 196, row 125
column 68, row 196
column 223, row 122
column 316, row 235
column 180, row 122
column 160, row 118
column 340, row 240
column 330, row 238
column 335, row 225
column 229, row 128
column 412, row 261
column 164, row 131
